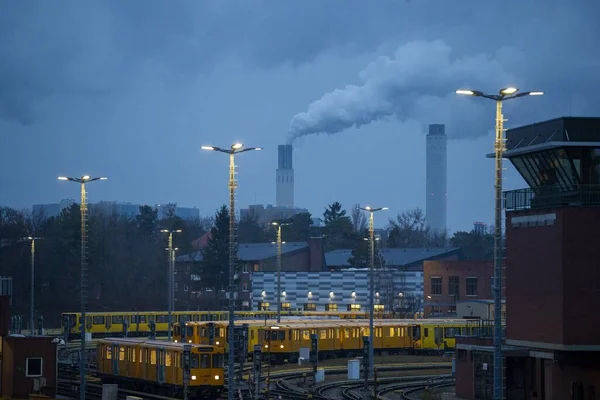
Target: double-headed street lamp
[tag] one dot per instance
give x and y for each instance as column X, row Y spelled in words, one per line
column 279, row 242
column 83, row 284
column 32, row 239
column 232, row 151
column 171, row 277
column 371, row 212
column 508, row 93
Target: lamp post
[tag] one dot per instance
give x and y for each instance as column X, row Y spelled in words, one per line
column 171, row 277
column 84, row 270
column 232, row 151
column 508, row 93
column 371, row 212
column 32, row 239
column 279, row 243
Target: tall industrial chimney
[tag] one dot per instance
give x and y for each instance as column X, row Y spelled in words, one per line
column 285, row 177
column 435, row 178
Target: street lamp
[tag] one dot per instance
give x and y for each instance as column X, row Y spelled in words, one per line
column 32, row 239
column 170, row 290
column 279, row 242
column 371, row 212
column 232, row 151
column 508, row 93
column 83, row 284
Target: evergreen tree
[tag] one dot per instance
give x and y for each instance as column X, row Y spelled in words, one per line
column 332, row 212
column 249, row 231
column 339, row 231
column 215, row 256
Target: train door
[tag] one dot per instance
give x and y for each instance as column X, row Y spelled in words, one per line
column 438, row 335
column 115, row 359
column 415, row 333
column 107, row 322
column 160, row 365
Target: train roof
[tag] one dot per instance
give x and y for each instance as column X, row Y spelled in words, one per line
column 365, row 323
column 155, row 343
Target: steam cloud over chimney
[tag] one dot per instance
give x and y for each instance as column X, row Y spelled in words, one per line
column 284, row 177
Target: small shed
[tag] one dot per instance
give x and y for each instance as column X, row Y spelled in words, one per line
column 28, row 366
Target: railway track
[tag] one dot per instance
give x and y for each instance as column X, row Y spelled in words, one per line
column 350, row 389
column 94, row 391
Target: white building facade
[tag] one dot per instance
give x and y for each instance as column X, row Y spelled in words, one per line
column 334, row 287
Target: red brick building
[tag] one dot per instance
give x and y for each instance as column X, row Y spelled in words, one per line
column 552, row 343
column 447, row 282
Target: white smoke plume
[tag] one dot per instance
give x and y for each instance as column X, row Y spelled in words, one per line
column 417, row 82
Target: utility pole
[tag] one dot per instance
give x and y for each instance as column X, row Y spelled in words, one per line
column 234, row 149
column 84, row 272
column 371, row 212
column 32, row 239
column 279, row 243
column 171, row 283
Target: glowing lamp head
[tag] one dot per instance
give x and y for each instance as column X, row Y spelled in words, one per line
column 536, row 93
column 509, row 90
column 466, row 92
column 85, row 177
column 237, row 146
column 209, row 148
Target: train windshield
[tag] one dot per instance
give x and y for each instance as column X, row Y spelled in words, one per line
column 275, row 335
column 218, row 361
column 189, row 331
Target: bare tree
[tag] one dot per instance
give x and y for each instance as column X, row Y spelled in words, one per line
column 410, row 230
column 359, row 221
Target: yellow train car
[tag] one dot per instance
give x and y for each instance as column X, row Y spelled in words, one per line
column 105, row 324
column 216, row 332
column 439, row 334
column 158, row 367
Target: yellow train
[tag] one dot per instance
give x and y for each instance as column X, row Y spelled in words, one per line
column 105, row 324
column 345, row 338
column 336, row 337
column 158, row 367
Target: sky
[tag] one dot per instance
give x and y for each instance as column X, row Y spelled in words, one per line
column 131, row 90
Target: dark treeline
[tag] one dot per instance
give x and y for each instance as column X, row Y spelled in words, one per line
column 128, row 260
column 126, row 257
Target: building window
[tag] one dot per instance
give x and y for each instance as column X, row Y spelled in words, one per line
column 436, row 285
column 453, row 283
column 245, row 286
column 472, row 286
column 176, row 286
column 33, row 367
column 245, row 268
column 255, row 267
column 185, row 287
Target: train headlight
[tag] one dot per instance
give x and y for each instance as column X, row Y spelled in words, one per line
column 281, row 346
column 190, row 341
column 266, row 346
column 217, row 377
column 193, row 377
column 175, row 340
column 217, row 343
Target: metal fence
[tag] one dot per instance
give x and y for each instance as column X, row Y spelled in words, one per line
column 552, row 197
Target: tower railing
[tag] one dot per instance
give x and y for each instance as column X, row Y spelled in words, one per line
column 552, row 197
